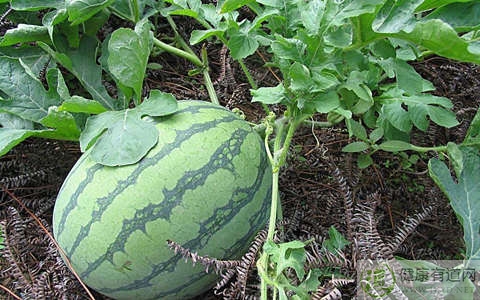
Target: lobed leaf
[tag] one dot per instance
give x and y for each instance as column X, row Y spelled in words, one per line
column 288, row 255
column 82, row 63
column 27, row 96
column 123, row 137
column 336, row 241
column 404, row 111
column 464, row 196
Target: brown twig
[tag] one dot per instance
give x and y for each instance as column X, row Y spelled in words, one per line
column 34, row 217
column 10, row 292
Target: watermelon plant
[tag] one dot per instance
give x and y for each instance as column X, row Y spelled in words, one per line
column 340, row 61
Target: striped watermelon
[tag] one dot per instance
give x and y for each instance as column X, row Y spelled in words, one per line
column 206, row 185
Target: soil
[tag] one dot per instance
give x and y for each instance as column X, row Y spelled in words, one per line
column 311, row 195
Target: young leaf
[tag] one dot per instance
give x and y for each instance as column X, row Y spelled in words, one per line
column 27, row 96
column 364, row 161
column 128, row 56
column 81, row 10
column 199, row 35
column 78, row 104
column 242, row 44
column 335, row 240
column 376, row 134
column 64, row 125
column 288, row 255
column 230, row 5
column 395, row 146
column 34, row 5
column 356, row 147
column 300, row 78
column 24, row 33
column 82, row 63
column 356, row 129
column 269, row 95
column 464, row 196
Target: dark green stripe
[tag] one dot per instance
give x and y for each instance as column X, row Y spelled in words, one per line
column 104, row 202
column 72, row 204
column 208, row 229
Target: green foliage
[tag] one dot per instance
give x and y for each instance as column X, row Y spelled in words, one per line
column 124, row 137
column 463, row 193
column 285, row 256
column 130, row 51
column 48, row 109
column 291, row 256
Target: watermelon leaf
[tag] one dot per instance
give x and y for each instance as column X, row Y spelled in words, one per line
column 81, row 10
column 82, row 63
column 288, row 255
column 126, row 141
column 9, row 138
column 123, row 137
column 27, row 97
column 128, row 56
column 336, row 241
column 464, row 195
column 32, row 5
column 24, row 33
column 79, row 104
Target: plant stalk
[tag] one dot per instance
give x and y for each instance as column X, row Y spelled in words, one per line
column 178, row 52
column 136, row 11
column 190, row 56
column 208, row 81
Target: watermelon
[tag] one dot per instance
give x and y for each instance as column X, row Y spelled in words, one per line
column 206, row 185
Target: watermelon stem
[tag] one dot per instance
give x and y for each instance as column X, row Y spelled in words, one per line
column 188, row 54
column 280, row 149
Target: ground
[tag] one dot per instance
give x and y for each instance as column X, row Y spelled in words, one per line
column 312, row 195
